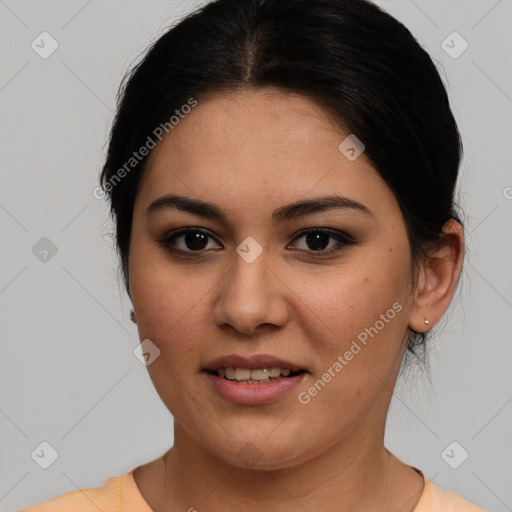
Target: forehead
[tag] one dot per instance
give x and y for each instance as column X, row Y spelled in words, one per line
column 256, row 147
column 277, row 119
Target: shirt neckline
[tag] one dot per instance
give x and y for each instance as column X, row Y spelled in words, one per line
column 135, row 493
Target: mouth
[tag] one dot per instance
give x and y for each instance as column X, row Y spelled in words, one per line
column 254, row 380
column 255, row 375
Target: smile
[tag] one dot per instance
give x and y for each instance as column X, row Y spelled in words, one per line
column 254, row 376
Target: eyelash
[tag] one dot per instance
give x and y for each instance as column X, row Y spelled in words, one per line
column 342, row 239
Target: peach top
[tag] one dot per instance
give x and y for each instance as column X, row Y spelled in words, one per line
column 120, row 493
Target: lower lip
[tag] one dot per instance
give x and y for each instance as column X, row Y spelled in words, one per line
column 253, row 394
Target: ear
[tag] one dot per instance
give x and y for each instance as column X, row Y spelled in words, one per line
column 132, row 316
column 437, row 279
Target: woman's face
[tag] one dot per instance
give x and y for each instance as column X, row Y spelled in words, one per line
column 254, row 283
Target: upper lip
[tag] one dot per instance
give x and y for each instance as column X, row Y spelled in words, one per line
column 253, row 362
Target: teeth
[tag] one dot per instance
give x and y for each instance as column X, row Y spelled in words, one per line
column 242, row 373
column 274, row 371
column 260, row 374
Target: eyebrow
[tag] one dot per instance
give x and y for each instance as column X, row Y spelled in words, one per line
column 281, row 214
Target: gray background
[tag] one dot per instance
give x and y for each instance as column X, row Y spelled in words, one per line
column 68, row 374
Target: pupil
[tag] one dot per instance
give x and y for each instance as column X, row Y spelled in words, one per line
column 314, row 240
column 196, row 241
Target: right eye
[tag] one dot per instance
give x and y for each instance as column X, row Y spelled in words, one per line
column 193, row 240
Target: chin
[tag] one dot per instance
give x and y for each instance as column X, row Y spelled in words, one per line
column 263, row 454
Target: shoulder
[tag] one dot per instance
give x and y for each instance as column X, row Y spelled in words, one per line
column 117, row 493
column 441, row 500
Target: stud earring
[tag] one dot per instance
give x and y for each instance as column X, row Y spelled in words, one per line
column 427, row 322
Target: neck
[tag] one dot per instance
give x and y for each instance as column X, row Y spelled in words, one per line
column 353, row 474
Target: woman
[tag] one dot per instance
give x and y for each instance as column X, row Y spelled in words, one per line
column 282, row 174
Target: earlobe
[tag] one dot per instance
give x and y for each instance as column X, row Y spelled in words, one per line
column 438, row 279
column 132, row 316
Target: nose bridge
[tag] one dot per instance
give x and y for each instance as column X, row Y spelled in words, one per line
column 249, row 294
column 249, row 279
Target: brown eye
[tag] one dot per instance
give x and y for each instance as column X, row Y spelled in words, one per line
column 191, row 240
column 321, row 241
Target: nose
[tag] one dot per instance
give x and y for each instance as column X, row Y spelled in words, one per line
column 250, row 297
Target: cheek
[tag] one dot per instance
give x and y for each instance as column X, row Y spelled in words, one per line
column 355, row 332
column 350, row 297
column 358, row 309
column 170, row 309
column 170, row 300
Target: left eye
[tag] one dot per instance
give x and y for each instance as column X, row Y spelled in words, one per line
column 316, row 240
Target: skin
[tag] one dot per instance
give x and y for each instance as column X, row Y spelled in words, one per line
column 251, row 152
